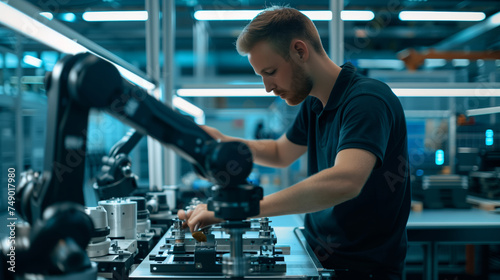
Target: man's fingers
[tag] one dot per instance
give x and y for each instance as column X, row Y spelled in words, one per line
column 193, row 223
column 195, row 219
column 181, row 214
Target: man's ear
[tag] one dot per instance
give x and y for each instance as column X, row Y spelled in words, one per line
column 299, row 50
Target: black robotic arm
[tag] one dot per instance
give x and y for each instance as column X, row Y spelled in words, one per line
column 51, row 202
column 85, row 81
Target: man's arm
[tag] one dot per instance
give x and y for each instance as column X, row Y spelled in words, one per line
column 272, row 153
column 332, row 186
column 327, row 188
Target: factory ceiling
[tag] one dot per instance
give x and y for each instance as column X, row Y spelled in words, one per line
column 381, row 38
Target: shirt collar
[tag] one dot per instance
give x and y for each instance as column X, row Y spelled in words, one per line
column 337, row 94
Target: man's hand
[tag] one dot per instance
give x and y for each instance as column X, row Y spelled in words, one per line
column 216, row 134
column 198, row 218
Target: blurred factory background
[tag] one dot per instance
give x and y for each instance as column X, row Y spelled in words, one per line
column 446, row 72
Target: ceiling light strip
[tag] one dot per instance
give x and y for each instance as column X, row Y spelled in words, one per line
column 446, row 92
column 401, row 92
column 115, row 16
column 441, row 16
column 347, row 15
column 483, row 111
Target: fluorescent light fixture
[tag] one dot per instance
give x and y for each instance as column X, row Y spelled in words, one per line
column 250, row 14
column 69, row 17
column 446, row 92
column 36, row 30
column 47, row 15
column 30, row 27
column 187, row 107
column 226, row 14
column 224, row 92
column 441, row 16
column 318, row 15
column 116, row 16
column 460, row 62
column 434, row 62
column 356, row 15
column 495, row 19
column 381, row 63
column 402, row 92
column 33, row 61
column 483, row 111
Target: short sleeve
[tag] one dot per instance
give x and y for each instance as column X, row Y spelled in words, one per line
column 366, row 124
column 298, row 132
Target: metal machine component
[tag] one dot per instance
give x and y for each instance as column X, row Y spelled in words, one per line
column 114, row 258
column 181, row 254
column 301, row 262
column 265, row 230
column 157, row 202
column 160, row 214
column 145, row 236
column 178, row 233
column 235, row 264
column 234, row 204
column 485, row 182
column 116, row 178
column 100, row 243
column 143, row 221
column 122, row 217
column 118, row 262
column 440, row 191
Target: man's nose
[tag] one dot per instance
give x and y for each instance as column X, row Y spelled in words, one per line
column 268, row 84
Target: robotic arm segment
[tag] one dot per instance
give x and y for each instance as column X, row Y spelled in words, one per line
column 97, row 83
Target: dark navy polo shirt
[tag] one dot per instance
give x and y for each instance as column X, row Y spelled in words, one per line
column 368, row 232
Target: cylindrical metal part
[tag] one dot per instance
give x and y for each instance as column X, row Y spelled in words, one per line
column 236, row 264
column 98, row 249
column 122, row 217
column 265, row 230
column 143, row 222
column 98, row 216
column 178, row 232
column 99, row 244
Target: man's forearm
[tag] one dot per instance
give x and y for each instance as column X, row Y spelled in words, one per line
column 332, row 186
column 320, row 191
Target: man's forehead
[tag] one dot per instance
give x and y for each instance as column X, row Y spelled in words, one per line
column 262, row 56
column 262, row 47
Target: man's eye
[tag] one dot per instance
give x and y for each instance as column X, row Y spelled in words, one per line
column 271, row 73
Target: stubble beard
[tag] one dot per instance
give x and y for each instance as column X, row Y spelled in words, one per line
column 301, row 83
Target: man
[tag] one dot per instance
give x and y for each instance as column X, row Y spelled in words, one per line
column 357, row 195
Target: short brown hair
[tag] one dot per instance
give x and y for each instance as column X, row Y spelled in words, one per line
column 279, row 25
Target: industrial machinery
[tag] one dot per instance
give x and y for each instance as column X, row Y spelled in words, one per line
column 442, row 191
column 116, row 178
column 181, row 254
column 485, row 182
column 52, row 202
column 114, row 257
